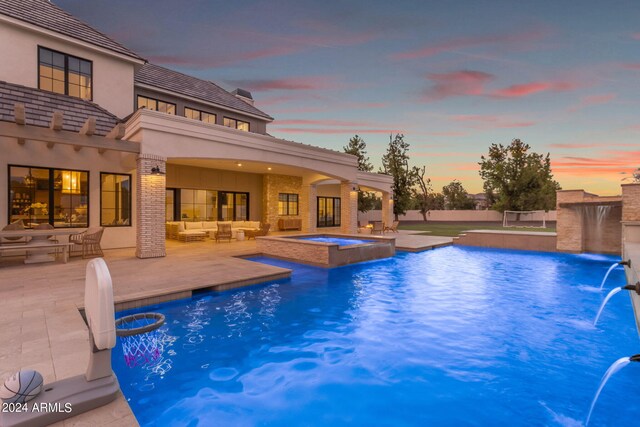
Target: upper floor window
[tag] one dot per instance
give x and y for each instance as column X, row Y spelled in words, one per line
column 65, row 74
column 199, row 115
column 237, row 124
column 156, row 105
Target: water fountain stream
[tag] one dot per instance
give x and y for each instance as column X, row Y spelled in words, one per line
column 607, row 275
column 615, row 367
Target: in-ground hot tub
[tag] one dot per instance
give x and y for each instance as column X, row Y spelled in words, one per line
column 327, row 250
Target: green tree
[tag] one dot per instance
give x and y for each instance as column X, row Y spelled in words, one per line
column 456, row 197
column 517, row 179
column 424, row 199
column 395, row 162
column 357, row 147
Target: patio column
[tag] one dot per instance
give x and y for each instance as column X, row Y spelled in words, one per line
column 348, row 207
column 309, row 208
column 150, row 204
column 387, row 208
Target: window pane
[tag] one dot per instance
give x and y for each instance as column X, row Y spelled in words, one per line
column 169, row 203
column 74, row 78
column 74, row 64
column 58, row 60
column 229, row 122
column 85, row 67
column 58, row 74
column 46, row 84
column 74, row 90
column 171, row 109
column 243, row 126
column 85, row 92
column 46, row 56
column 58, row 86
column 45, row 71
column 208, row 118
column 241, row 207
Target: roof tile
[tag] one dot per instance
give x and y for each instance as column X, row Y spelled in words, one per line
column 163, row 78
column 76, row 111
column 45, row 14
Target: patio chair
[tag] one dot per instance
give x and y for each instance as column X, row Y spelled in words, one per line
column 393, row 227
column 224, row 232
column 378, row 228
column 263, row 231
column 88, row 241
column 44, row 226
column 16, row 225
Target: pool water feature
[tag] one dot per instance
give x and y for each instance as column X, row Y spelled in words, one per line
column 326, row 250
column 340, row 241
column 453, row 336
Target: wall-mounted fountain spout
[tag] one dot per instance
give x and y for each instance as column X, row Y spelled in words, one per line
column 635, row 358
column 635, row 287
column 627, row 263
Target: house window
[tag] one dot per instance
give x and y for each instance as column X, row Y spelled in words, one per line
column 328, row 211
column 236, row 124
column 287, row 204
column 198, row 205
column 170, row 205
column 156, row 105
column 207, row 205
column 199, row 115
column 65, row 74
column 115, row 200
column 59, row 197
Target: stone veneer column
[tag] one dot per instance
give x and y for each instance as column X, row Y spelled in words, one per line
column 150, row 203
column 631, row 202
column 348, row 207
column 309, row 208
column 387, row 208
column 569, row 226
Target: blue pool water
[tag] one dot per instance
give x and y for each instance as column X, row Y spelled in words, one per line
column 451, row 337
column 338, row 240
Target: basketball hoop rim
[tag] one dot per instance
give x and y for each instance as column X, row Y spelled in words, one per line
column 159, row 321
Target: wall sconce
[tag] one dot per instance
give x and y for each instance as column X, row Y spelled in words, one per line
column 355, row 187
column 156, row 171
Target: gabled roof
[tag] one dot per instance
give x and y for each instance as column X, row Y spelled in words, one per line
column 40, row 105
column 182, row 84
column 45, row 14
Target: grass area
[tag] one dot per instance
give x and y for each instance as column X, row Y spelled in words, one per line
column 453, row 229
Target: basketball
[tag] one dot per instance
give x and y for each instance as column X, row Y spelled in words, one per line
column 21, row 387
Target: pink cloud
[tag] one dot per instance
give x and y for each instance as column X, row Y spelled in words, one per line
column 610, row 163
column 290, row 83
column 220, row 59
column 336, row 131
column 321, row 123
column 592, row 100
column 526, row 89
column 580, row 145
column 632, row 66
column 491, row 122
column 515, row 39
column 635, row 36
column 457, row 83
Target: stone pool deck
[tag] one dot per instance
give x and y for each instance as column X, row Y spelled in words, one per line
column 42, row 328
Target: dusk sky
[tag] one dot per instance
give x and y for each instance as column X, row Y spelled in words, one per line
column 453, row 76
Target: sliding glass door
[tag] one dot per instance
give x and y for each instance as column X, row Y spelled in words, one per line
column 328, row 211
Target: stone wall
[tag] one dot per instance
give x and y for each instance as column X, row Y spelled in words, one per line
column 530, row 241
column 631, row 202
column 272, row 186
column 569, row 226
column 588, row 223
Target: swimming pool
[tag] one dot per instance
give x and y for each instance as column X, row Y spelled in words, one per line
column 453, row 336
column 340, row 241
